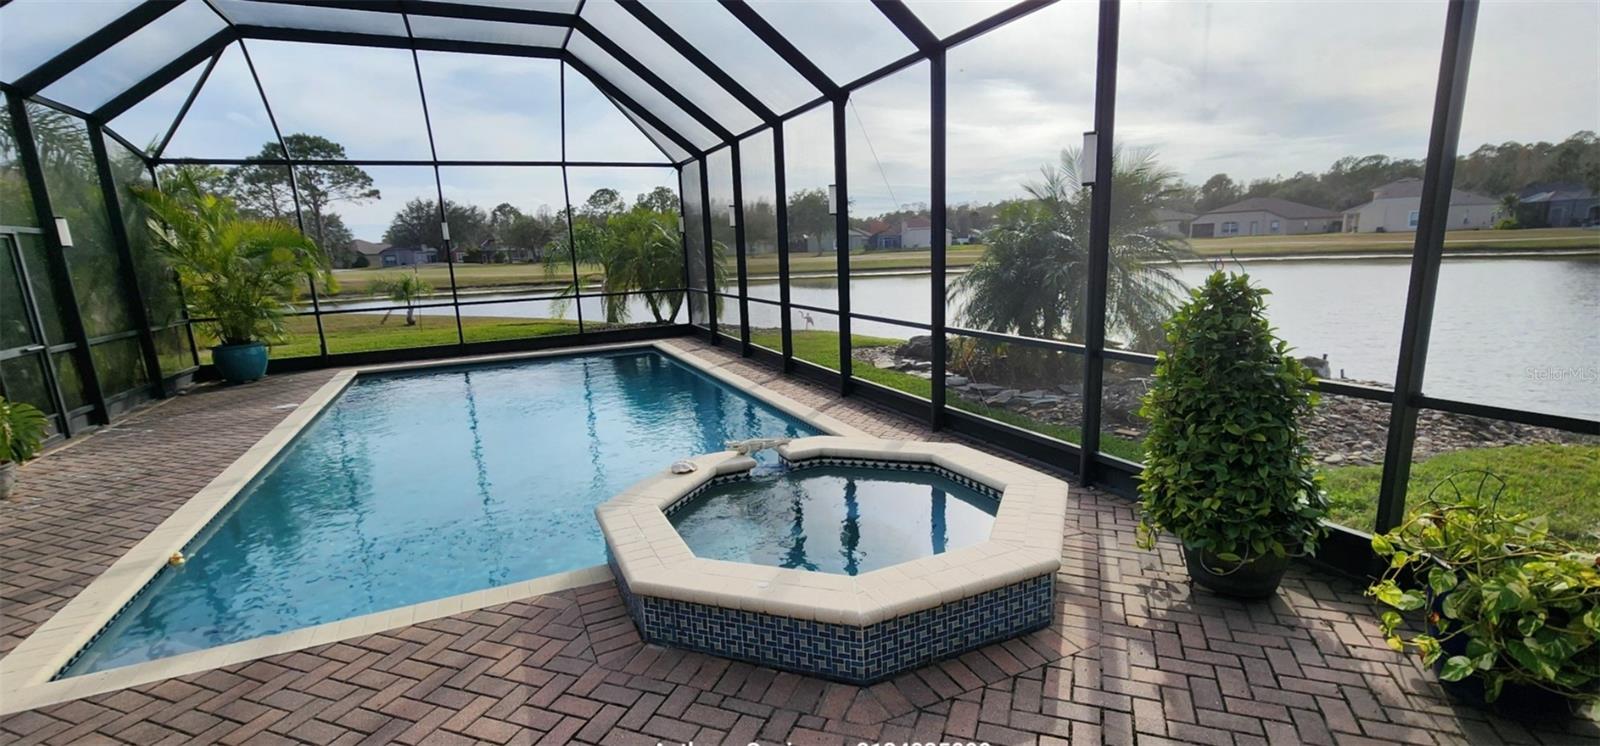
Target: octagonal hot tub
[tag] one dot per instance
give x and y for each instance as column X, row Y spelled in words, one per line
column 854, row 559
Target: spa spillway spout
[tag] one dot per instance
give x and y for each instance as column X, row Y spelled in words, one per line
column 754, row 445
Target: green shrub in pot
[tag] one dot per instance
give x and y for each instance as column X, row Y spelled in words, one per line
column 1513, row 612
column 1227, row 469
column 241, row 274
column 22, row 428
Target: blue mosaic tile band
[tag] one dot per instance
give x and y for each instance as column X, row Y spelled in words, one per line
column 848, row 653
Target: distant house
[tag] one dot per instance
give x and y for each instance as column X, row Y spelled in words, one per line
column 820, row 243
column 372, row 252
column 911, row 233
column 1395, row 208
column 1173, row 222
column 1264, row 216
column 1558, row 204
column 406, row 256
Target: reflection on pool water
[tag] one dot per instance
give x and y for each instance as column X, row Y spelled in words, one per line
column 837, row 519
column 417, row 486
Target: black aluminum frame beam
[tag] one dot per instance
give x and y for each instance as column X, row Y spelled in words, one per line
column 781, row 208
column 132, row 294
column 464, row 11
column 89, row 47
column 354, row 39
column 610, row 89
column 1427, row 255
column 167, row 73
column 739, row 248
column 712, row 314
column 699, row 60
column 655, row 81
column 780, row 44
column 841, row 242
column 60, row 273
column 910, row 26
column 438, row 184
column 1094, row 336
column 188, row 102
column 936, row 255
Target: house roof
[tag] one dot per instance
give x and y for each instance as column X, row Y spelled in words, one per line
column 916, row 223
column 1281, row 207
column 1555, row 191
column 1412, row 188
column 368, row 248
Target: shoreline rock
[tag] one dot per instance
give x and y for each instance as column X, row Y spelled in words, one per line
column 1343, row 431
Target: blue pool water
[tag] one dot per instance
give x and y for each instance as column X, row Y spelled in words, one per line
column 418, row 486
column 838, row 519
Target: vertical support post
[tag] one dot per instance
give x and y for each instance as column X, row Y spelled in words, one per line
column 936, row 258
column 740, row 249
column 1094, row 336
column 1427, row 254
column 712, row 299
column 438, row 185
column 294, row 192
column 683, row 240
column 183, row 297
column 841, row 239
column 566, row 196
column 60, row 273
column 781, row 207
column 132, row 294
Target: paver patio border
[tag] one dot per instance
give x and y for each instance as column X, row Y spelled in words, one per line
column 26, row 672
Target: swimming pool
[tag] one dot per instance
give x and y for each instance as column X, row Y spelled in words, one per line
column 837, row 519
column 421, row 485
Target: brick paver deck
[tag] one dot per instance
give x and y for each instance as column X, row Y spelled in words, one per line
column 1134, row 657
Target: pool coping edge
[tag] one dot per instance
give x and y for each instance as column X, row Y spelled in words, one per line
column 1024, row 540
column 26, row 672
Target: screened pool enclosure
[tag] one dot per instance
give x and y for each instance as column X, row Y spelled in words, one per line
column 975, row 213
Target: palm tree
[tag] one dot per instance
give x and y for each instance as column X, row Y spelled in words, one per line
column 1509, row 205
column 407, row 289
column 1033, row 281
column 241, row 273
column 638, row 252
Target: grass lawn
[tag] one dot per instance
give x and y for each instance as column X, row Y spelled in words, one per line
column 359, row 282
column 1559, row 481
column 1355, row 243
column 822, row 348
column 352, row 332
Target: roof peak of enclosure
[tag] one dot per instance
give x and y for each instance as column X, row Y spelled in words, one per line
column 691, row 75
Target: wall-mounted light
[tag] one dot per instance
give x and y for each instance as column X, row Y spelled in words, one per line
column 833, row 199
column 444, row 230
column 733, row 216
column 1087, row 158
column 65, row 232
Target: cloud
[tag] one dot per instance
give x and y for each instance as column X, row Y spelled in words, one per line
column 1253, row 89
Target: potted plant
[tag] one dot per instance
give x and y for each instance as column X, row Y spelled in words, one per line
column 1513, row 613
column 1227, row 470
column 240, row 274
column 21, row 433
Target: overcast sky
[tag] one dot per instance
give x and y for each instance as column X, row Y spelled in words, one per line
column 1253, row 89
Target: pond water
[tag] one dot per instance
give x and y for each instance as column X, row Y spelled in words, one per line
column 1510, row 331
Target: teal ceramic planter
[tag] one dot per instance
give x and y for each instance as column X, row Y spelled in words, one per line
column 240, row 363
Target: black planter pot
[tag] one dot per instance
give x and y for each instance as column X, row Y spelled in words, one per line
column 1524, row 702
column 1255, row 578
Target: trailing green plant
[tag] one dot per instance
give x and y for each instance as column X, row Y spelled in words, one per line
column 22, row 428
column 1227, row 469
column 239, row 273
column 1506, row 601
